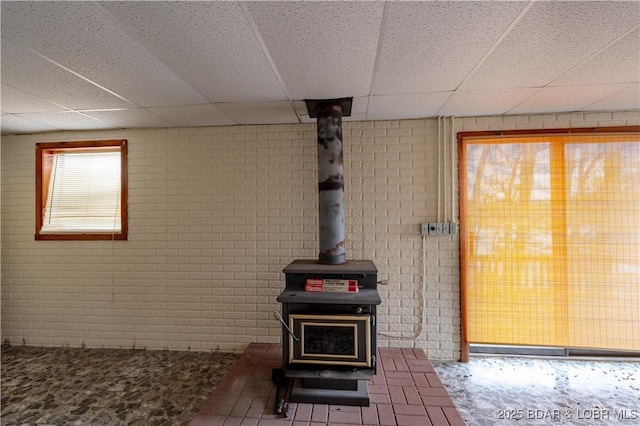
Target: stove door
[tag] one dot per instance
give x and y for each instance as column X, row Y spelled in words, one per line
column 334, row 340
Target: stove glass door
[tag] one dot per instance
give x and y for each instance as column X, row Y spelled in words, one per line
column 330, row 339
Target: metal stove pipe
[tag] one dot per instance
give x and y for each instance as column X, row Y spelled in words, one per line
column 330, row 177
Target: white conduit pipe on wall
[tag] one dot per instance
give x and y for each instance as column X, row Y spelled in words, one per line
column 442, row 161
column 444, row 164
column 453, row 169
column 439, row 159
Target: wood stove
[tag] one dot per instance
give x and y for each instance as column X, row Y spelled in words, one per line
column 329, row 337
column 329, row 344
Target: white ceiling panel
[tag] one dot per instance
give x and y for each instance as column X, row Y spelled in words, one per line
column 209, row 63
column 570, row 98
column 32, row 74
column 322, row 50
column 87, row 41
column 389, row 107
column 484, row 102
column 619, row 63
column 129, row 118
column 192, row 37
column 61, row 119
column 15, row 124
column 17, row 101
column 627, row 99
column 260, row 112
column 551, row 39
column 193, row 115
column 433, row 46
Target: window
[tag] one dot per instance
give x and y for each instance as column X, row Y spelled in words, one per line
column 81, row 190
column 550, row 238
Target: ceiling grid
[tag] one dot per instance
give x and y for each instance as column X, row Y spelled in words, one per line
column 108, row 65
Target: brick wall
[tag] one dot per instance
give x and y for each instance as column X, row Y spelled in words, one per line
column 214, row 216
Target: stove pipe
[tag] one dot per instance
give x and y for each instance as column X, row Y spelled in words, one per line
column 329, row 115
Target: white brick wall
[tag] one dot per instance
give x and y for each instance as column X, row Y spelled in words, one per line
column 214, row 216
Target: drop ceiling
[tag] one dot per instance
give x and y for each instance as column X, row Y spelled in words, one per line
column 109, row 65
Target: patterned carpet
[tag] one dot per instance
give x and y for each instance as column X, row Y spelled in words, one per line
column 72, row 386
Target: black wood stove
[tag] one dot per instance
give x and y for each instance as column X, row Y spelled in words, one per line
column 329, row 304
column 329, row 344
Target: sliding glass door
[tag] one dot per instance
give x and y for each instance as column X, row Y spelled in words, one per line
column 551, row 239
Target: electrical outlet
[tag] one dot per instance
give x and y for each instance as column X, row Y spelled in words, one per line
column 445, row 228
column 439, row 228
column 432, row 228
column 453, row 228
column 424, row 228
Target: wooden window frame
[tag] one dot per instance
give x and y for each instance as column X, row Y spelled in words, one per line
column 44, row 152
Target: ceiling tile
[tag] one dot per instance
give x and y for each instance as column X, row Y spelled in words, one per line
column 391, row 107
column 90, row 43
column 16, row 101
column 626, row 99
column 618, row 63
column 15, row 124
column 322, row 50
column 209, row 44
column 551, row 39
column 129, row 118
column 433, row 46
column 67, row 120
column 193, row 115
column 569, row 98
column 484, row 102
column 260, row 112
column 31, row 73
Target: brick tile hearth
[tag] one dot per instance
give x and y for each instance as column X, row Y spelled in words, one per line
column 406, row 391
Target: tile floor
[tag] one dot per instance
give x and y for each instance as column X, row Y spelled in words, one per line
column 532, row 391
column 63, row 386
column 91, row 387
column 405, row 391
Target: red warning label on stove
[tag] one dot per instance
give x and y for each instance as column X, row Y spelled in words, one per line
column 331, row 285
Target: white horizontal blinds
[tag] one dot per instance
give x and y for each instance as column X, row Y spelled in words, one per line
column 84, row 193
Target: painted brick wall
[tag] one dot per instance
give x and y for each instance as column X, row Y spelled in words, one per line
column 214, row 216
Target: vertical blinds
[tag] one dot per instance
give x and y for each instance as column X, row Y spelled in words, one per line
column 83, row 193
column 552, row 252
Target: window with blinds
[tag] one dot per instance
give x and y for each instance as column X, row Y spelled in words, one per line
column 81, row 190
column 550, row 234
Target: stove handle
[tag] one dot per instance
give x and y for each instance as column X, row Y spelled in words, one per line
column 277, row 316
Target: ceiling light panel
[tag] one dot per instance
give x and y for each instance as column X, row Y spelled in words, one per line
column 85, row 39
column 209, row 44
column 551, row 39
column 433, row 46
column 321, row 50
